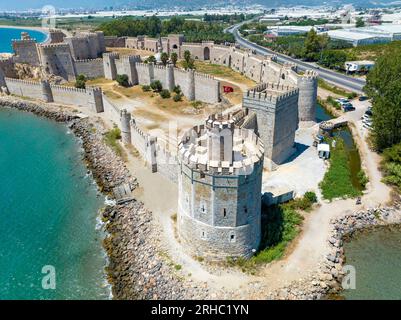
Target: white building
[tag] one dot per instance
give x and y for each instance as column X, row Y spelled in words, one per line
column 358, row 38
column 293, row 30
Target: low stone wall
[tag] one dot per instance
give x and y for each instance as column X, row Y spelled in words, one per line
column 24, row 88
column 91, row 97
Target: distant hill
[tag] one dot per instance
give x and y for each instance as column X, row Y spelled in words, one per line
column 151, row 4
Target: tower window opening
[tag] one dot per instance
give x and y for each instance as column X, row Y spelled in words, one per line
column 224, row 212
column 232, row 238
column 245, row 209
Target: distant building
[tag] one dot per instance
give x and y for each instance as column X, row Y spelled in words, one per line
column 357, row 38
column 368, row 35
column 293, row 30
column 269, row 19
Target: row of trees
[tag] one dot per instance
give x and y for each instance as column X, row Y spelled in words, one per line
column 194, row 31
column 311, row 47
column 383, row 85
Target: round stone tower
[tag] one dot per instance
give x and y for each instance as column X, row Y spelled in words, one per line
column 219, row 190
column 307, row 100
column 125, row 119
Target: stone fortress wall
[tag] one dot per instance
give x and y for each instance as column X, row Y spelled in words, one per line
column 259, row 68
column 85, row 53
column 43, row 90
column 194, row 85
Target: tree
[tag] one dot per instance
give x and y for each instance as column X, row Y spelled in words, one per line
column 314, row 44
column 333, row 59
column 359, row 22
column 164, row 58
column 174, row 58
column 150, row 59
column 80, row 82
column 383, row 85
column 189, row 63
column 122, row 80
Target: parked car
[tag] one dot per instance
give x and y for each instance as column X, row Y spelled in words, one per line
column 348, row 107
column 368, row 112
column 342, row 100
column 363, row 98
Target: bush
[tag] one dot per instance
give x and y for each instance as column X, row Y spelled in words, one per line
column 310, row 196
column 122, row 80
column 146, row 88
column 111, row 138
column 177, row 97
column 177, row 89
column 80, row 82
column 391, row 165
column 196, row 104
column 362, row 178
column 165, row 94
column 352, row 95
column 156, row 86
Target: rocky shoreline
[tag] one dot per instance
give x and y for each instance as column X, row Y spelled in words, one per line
column 136, row 269
column 327, row 281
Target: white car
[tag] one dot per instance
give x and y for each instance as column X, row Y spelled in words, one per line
column 342, row 100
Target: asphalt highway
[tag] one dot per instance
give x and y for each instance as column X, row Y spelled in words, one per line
column 340, row 80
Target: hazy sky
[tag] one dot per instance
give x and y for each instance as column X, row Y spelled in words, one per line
column 37, row 4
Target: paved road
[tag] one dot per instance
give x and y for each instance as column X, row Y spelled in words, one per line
column 335, row 78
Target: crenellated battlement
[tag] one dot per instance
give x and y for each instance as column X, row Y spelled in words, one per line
column 23, row 41
column 26, row 82
column 272, row 92
column 193, row 148
column 88, row 60
column 309, row 75
column 113, row 55
column 54, row 46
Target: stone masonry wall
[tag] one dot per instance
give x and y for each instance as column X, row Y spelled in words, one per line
column 90, row 68
column 207, row 89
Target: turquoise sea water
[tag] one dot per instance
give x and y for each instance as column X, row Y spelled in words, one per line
column 376, row 256
column 48, row 212
column 8, row 34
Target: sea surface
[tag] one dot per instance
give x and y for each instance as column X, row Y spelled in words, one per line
column 48, row 213
column 376, row 256
column 8, row 34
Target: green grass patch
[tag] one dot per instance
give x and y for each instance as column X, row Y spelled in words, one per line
column 337, row 182
column 280, row 225
column 111, row 138
column 324, row 85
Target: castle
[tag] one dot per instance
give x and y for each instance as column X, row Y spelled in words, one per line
column 218, row 166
